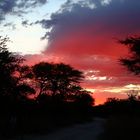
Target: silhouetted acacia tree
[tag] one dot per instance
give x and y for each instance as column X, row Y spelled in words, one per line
column 132, row 62
column 62, row 82
column 56, row 78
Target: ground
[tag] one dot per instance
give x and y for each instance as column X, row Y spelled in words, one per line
column 87, row 131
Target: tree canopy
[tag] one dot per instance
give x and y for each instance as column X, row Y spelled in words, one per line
column 11, row 84
column 56, row 88
column 132, row 62
column 60, row 81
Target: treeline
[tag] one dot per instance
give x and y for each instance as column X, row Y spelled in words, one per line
column 46, row 96
column 114, row 106
column 122, row 118
column 42, row 95
column 131, row 105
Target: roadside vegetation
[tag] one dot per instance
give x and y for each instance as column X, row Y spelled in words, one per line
column 44, row 97
column 39, row 98
column 123, row 122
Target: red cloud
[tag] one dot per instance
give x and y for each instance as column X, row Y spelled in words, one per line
column 87, row 39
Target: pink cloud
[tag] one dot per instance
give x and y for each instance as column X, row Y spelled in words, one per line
column 87, row 39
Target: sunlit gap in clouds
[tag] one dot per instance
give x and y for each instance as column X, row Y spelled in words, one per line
column 26, row 39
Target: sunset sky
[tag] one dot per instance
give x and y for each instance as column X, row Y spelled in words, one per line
column 82, row 33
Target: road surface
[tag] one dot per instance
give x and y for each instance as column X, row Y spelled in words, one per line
column 88, row 131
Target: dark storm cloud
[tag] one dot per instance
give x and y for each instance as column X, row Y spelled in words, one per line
column 119, row 14
column 17, row 7
column 87, row 28
column 81, row 34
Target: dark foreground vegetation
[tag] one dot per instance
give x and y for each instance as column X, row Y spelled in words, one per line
column 39, row 98
column 44, row 97
column 123, row 121
column 121, row 128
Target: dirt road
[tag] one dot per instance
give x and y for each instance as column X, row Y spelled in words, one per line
column 88, row 131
